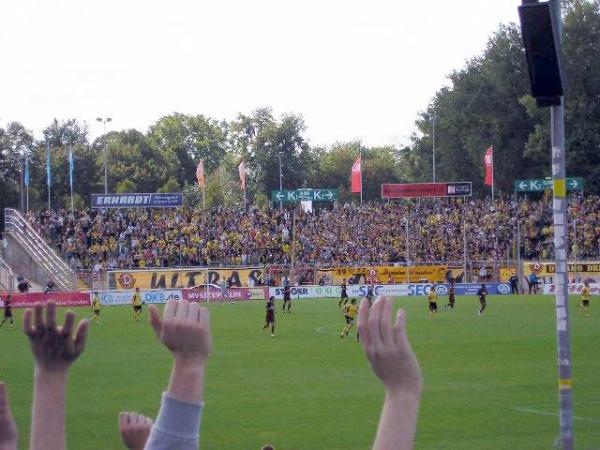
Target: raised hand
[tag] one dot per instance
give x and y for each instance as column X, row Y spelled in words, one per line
column 54, row 348
column 387, row 347
column 8, row 429
column 184, row 329
column 134, row 429
column 394, row 362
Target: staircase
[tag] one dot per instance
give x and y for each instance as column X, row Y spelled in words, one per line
column 29, row 254
column 7, row 277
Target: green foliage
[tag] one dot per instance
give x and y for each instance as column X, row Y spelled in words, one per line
column 170, row 186
column 189, row 139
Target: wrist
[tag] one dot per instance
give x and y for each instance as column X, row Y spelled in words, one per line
column 51, row 376
column 403, row 394
column 189, row 363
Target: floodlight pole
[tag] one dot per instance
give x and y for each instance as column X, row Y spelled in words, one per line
column 561, row 244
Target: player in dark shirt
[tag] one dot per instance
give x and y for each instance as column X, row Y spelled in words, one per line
column 344, row 295
column 8, row 315
column 270, row 316
column 481, row 293
column 451, row 296
column 287, row 298
column 370, row 294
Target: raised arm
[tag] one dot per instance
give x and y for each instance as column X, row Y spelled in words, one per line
column 8, row 429
column 54, row 349
column 394, row 362
column 185, row 331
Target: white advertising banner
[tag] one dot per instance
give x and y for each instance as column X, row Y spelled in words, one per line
column 148, row 297
column 301, row 292
column 574, row 288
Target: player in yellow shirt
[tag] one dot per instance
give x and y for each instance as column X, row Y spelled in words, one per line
column 433, row 298
column 350, row 313
column 585, row 298
column 96, row 307
column 137, row 304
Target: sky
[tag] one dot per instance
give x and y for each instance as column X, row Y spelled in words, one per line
column 353, row 69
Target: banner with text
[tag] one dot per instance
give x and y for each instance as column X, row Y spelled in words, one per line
column 124, row 297
column 233, row 294
column 29, row 299
column 174, row 200
column 582, row 271
column 574, row 288
column 187, row 278
column 385, row 274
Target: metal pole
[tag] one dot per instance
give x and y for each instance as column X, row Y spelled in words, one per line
column 22, row 185
column 561, row 244
column 407, row 248
column 464, row 241
column 71, row 178
column 575, row 248
column 105, row 160
column 280, row 180
column 519, row 271
column 434, row 147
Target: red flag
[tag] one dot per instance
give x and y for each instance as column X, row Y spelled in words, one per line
column 489, row 166
column 200, row 174
column 242, row 170
column 357, row 175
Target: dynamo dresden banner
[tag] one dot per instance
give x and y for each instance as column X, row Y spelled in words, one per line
column 173, row 200
column 385, row 274
column 182, row 279
column 585, row 270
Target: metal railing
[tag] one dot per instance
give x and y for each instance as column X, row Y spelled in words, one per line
column 47, row 259
column 7, row 277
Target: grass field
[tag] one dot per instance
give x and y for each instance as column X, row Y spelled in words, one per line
column 490, row 382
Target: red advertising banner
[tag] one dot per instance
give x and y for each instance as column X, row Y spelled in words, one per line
column 60, row 298
column 421, row 190
column 232, row 294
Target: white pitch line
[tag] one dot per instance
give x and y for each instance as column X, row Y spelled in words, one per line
column 539, row 412
column 323, row 330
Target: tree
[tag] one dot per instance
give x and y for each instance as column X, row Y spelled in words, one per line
column 261, row 141
column 190, row 139
column 132, row 159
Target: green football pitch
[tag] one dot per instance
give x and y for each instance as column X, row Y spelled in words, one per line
column 489, row 382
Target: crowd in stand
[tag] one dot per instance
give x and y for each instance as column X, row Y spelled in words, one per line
column 340, row 235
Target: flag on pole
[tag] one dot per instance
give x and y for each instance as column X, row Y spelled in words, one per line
column 48, row 169
column 27, row 172
column 489, row 166
column 242, row 170
column 357, row 175
column 200, row 174
column 71, row 167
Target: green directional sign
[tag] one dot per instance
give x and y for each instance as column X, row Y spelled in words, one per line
column 545, row 184
column 299, row 195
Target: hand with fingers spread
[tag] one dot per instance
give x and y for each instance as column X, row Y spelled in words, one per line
column 135, row 429
column 8, row 429
column 54, row 347
column 395, row 364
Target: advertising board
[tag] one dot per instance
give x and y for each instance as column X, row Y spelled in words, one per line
column 70, row 299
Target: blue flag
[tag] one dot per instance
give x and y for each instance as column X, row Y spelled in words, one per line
column 27, row 172
column 48, row 169
column 71, row 167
